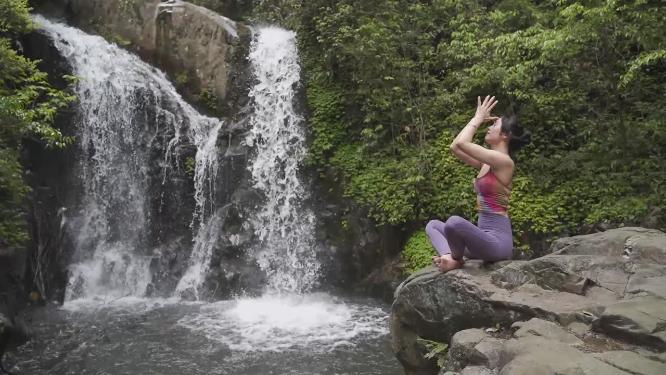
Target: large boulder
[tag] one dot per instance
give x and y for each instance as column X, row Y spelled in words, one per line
column 543, row 347
column 608, row 285
column 204, row 52
column 11, row 292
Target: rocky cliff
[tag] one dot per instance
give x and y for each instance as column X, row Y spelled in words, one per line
column 595, row 305
column 204, row 52
column 205, row 55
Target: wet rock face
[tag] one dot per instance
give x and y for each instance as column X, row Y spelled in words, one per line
column 11, row 334
column 12, row 262
column 205, row 55
column 605, row 287
column 49, row 174
column 11, row 288
column 360, row 254
column 202, row 51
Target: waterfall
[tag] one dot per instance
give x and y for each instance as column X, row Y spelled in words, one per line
column 124, row 107
column 209, row 220
column 284, row 228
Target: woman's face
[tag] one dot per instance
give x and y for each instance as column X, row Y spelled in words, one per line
column 494, row 132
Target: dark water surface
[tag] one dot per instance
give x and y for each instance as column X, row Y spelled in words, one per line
column 317, row 334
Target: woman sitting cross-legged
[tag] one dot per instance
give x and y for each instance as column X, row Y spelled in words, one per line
column 492, row 239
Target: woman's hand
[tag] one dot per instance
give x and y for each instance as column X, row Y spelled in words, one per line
column 483, row 109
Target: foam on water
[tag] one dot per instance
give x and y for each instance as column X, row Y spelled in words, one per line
column 130, row 304
column 277, row 323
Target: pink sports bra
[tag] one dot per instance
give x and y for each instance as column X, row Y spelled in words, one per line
column 492, row 196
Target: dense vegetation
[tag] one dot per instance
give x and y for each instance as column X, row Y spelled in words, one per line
column 390, row 82
column 28, row 104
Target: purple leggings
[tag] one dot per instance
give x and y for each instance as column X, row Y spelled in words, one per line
column 491, row 240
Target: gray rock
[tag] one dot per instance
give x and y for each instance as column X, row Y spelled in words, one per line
column 435, row 306
column 202, row 54
column 611, row 281
column 661, row 357
column 641, row 319
column 489, row 350
column 477, row 370
column 571, row 273
column 462, row 349
column 536, row 355
column 649, row 285
column 532, row 354
column 549, row 272
column 579, row 329
column 632, row 362
column 5, row 327
column 468, row 338
column 11, row 334
column 545, row 329
column 647, row 245
column 648, row 279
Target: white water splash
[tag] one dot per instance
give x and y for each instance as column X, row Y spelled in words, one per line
column 206, row 237
column 230, row 26
column 278, row 323
column 116, row 91
column 286, row 249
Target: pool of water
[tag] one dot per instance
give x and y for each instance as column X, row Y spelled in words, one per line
column 312, row 334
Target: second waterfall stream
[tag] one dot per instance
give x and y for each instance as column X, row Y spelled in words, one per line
column 286, row 249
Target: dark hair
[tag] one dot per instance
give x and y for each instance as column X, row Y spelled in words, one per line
column 518, row 137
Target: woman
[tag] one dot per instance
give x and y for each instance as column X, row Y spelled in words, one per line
column 492, row 239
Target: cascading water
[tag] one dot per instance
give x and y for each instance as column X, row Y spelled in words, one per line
column 278, row 333
column 209, row 220
column 286, row 248
column 288, row 317
column 116, row 91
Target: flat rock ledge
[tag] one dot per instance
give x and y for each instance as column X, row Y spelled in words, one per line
column 595, row 305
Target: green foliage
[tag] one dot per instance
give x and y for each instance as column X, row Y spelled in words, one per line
column 190, row 165
column 182, row 79
column 209, row 100
column 117, row 39
column 28, row 106
column 418, row 252
column 128, row 7
column 12, row 194
column 436, row 350
column 14, row 17
column 326, row 119
column 278, row 12
column 390, row 82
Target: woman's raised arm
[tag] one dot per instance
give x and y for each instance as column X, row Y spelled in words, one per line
column 471, row 153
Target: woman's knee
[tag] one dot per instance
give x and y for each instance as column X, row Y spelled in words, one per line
column 455, row 222
column 435, row 225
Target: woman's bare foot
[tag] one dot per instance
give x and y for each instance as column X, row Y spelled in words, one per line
column 447, row 263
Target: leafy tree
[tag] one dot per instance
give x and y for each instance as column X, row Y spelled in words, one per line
column 28, row 105
column 390, row 82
